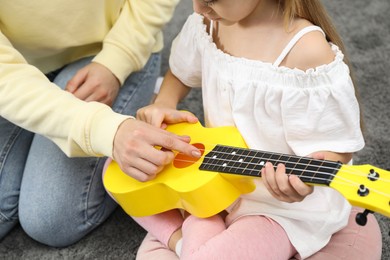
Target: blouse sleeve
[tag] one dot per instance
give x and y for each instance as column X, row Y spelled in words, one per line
column 325, row 117
column 185, row 61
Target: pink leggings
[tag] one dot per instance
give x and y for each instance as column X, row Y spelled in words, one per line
column 251, row 237
column 246, row 238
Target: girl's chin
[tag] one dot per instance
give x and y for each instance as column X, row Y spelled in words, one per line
column 225, row 22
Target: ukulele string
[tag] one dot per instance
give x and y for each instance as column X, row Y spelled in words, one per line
column 355, row 172
column 319, row 162
column 336, row 178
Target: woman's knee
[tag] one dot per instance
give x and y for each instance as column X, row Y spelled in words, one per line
column 8, row 220
column 49, row 227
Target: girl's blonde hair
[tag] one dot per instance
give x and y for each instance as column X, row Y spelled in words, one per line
column 315, row 12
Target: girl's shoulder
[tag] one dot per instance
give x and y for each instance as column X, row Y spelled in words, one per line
column 310, row 51
column 196, row 25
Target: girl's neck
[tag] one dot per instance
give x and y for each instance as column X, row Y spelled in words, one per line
column 260, row 36
column 267, row 11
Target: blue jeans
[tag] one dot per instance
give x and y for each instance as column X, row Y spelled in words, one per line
column 57, row 199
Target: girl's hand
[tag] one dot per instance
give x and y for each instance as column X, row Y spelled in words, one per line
column 94, row 82
column 287, row 188
column 160, row 116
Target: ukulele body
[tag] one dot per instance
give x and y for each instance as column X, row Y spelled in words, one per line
column 181, row 184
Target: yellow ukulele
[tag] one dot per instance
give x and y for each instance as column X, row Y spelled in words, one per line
column 206, row 186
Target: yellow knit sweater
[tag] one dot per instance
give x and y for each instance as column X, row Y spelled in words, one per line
column 40, row 36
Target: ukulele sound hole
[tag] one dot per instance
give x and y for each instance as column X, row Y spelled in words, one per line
column 181, row 160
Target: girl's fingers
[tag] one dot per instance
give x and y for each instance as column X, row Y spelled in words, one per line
column 279, row 184
column 301, row 188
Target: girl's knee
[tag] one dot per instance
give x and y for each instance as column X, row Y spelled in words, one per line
column 151, row 248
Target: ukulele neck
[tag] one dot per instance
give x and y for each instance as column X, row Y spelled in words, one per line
column 249, row 162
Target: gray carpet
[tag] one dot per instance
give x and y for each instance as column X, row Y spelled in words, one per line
column 365, row 28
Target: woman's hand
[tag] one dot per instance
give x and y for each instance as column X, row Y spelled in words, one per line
column 135, row 149
column 94, row 82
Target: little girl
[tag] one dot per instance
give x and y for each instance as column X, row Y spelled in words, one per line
column 276, row 70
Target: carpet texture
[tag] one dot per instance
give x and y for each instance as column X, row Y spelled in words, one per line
column 365, row 28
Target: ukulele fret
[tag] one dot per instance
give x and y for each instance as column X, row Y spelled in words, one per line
column 249, row 162
column 317, row 171
column 239, row 160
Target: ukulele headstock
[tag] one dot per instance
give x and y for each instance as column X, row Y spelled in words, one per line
column 364, row 186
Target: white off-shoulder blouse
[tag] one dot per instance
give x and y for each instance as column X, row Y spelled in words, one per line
column 276, row 109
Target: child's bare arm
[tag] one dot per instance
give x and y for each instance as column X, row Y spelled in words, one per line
column 163, row 111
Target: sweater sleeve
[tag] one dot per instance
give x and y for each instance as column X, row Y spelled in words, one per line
column 29, row 100
column 133, row 37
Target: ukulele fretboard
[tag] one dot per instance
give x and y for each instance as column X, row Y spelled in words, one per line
column 249, row 162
